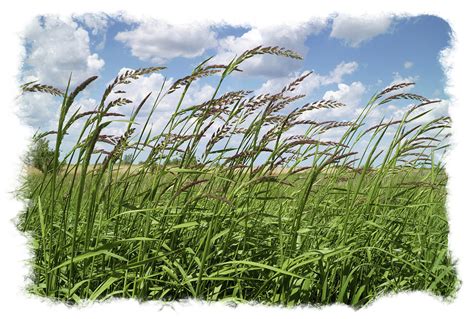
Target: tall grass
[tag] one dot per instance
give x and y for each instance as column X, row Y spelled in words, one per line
column 248, row 212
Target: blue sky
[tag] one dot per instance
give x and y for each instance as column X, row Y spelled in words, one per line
column 351, row 59
column 409, row 47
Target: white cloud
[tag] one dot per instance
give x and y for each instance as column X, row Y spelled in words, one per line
column 408, row 64
column 39, row 110
column 57, row 48
column 287, row 36
column 350, row 95
column 445, row 57
column 437, row 110
column 97, row 22
column 356, row 30
column 158, row 42
column 275, row 85
column 312, row 82
column 138, row 89
column 335, row 76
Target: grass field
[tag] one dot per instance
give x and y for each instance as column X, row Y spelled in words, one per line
column 246, row 212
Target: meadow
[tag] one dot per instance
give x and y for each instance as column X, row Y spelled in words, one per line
column 242, row 212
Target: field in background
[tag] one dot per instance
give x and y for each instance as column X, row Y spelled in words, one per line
column 248, row 214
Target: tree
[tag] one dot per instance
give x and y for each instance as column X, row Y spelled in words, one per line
column 40, row 155
column 128, row 159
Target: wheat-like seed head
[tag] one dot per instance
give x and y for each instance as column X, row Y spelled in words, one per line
column 275, row 50
column 80, row 88
column 31, row 87
column 406, row 96
column 118, row 102
column 127, row 76
column 293, row 85
column 394, row 87
column 197, row 74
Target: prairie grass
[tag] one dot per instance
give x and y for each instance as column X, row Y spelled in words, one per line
column 248, row 212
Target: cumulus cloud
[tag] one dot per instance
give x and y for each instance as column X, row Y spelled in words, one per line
column 96, row 22
column 350, row 95
column 158, row 41
column 335, row 76
column 446, row 58
column 289, row 37
column 312, row 82
column 138, row 89
column 56, row 48
column 356, row 30
column 40, row 111
column 436, row 110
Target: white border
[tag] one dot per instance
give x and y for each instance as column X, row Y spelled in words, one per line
column 18, row 13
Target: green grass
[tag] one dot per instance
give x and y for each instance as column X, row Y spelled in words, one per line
column 247, row 214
